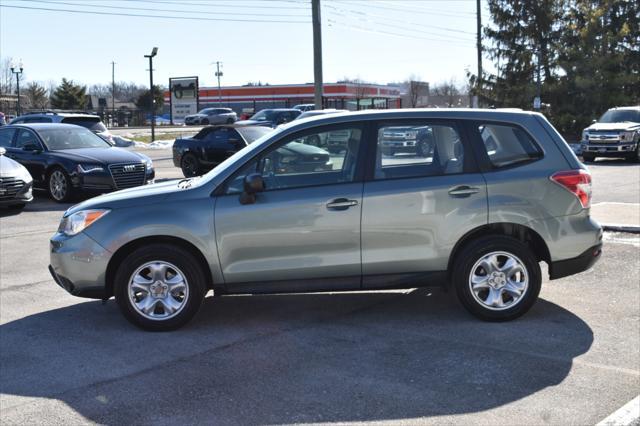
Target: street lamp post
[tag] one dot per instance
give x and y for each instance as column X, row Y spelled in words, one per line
column 154, row 52
column 218, row 75
column 17, row 71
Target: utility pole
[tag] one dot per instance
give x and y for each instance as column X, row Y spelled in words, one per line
column 219, row 74
column 113, row 87
column 537, row 102
column 154, row 52
column 479, row 48
column 317, row 52
column 17, row 70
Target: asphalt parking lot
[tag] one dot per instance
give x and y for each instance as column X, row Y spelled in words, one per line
column 397, row 357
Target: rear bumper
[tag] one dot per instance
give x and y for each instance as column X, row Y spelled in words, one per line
column 564, row 268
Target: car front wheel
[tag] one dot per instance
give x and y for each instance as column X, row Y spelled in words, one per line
column 160, row 287
column 190, row 165
column 59, row 186
column 497, row 278
column 588, row 158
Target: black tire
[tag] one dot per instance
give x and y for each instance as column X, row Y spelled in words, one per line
column 230, row 121
column 190, row 165
column 205, row 122
column 587, row 158
column 635, row 157
column 468, row 258
column 59, row 185
column 174, row 255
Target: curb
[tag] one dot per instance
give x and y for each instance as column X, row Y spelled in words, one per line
column 615, row 227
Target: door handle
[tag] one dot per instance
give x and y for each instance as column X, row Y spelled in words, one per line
column 341, row 204
column 463, row 191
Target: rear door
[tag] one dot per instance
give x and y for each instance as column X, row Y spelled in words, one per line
column 417, row 205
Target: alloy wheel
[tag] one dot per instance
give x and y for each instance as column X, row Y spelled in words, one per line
column 58, row 185
column 158, row 290
column 498, row 281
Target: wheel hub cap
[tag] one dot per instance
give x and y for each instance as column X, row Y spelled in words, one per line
column 158, row 290
column 498, row 281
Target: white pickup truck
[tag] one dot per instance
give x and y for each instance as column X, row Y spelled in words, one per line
column 615, row 134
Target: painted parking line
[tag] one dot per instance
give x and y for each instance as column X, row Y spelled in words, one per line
column 624, row 416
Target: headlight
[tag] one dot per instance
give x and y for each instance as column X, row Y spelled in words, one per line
column 89, row 168
column 411, row 134
column 77, row 222
column 23, row 174
column 628, row 136
column 148, row 163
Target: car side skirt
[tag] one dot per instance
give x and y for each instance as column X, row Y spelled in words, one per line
column 336, row 284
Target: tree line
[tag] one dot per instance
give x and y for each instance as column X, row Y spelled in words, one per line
column 586, row 52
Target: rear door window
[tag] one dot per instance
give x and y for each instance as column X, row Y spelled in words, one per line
column 92, row 123
column 507, row 145
column 6, row 136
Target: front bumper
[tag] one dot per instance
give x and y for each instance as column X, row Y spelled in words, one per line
column 79, row 264
column 104, row 181
column 609, row 150
column 586, row 260
column 23, row 196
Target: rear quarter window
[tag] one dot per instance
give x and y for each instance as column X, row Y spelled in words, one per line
column 507, row 145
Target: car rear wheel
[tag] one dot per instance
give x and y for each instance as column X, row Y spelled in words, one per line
column 205, row 122
column 497, row 278
column 190, row 165
column 160, row 287
column 229, row 120
column 59, row 186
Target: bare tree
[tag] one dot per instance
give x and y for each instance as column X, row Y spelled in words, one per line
column 417, row 91
column 449, row 91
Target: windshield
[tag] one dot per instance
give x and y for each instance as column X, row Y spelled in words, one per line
column 264, row 115
column 91, row 123
column 251, row 134
column 620, row 116
column 71, row 138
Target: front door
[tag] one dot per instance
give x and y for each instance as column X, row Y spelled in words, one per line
column 303, row 231
column 23, row 153
column 418, row 202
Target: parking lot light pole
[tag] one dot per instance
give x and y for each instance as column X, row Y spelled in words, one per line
column 154, row 52
column 17, row 71
column 218, row 75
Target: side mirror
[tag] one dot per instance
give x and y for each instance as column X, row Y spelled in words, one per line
column 253, row 183
column 31, row 147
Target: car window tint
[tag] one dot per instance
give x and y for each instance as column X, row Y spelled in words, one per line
column 6, row 136
column 91, row 123
column 26, row 137
column 220, row 135
column 320, row 158
column 418, row 150
column 506, row 145
column 38, row 120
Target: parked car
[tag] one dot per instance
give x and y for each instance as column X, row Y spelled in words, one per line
column 318, row 112
column 479, row 222
column 305, row 107
column 271, row 117
column 211, row 146
column 88, row 121
column 67, row 159
column 212, row 116
column 3, row 121
column 407, row 139
column 615, row 134
column 16, row 183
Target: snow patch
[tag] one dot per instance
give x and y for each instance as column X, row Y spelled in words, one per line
column 154, row 145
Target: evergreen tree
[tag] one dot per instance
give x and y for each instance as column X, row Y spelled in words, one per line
column 144, row 99
column 69, row 96
column 36, row 95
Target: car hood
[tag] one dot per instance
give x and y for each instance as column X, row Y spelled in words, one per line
column 131, row 197
column 251, row 122
column 626, row 126
column 10, row 168
column 103, row 156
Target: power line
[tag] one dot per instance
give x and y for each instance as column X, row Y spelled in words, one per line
column 190, row 18
column 403, row 21
column 234, row 5
column 349, row 25
column 412, row 11
column 146, row 9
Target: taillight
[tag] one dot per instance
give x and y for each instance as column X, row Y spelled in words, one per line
column 578, row 182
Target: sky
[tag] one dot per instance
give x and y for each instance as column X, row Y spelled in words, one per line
column 378, row 41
